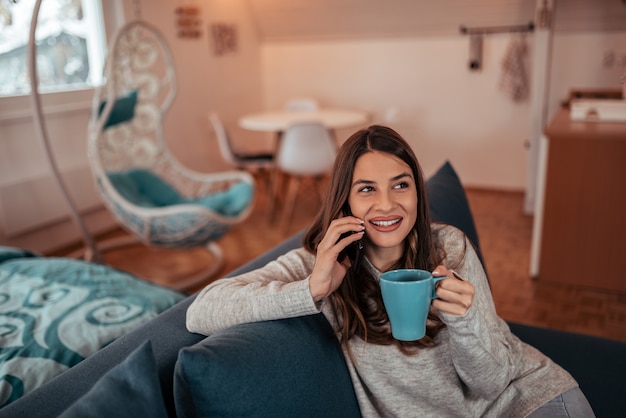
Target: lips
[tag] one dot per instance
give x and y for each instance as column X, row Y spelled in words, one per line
column 386, row 224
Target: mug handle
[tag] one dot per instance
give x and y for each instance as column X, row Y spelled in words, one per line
column 435, row 281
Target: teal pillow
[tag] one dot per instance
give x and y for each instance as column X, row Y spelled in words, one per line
column 448, row 203
column 123, row 109
column 130, row 389
column 285, row 368
column 231, row 202
column 10, row 253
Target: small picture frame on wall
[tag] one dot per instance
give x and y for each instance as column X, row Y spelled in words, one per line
column 188, row 21
column 224, row 38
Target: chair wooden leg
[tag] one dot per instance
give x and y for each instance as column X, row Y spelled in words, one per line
column 290, row 202
column 321, row 183
column 273, row 194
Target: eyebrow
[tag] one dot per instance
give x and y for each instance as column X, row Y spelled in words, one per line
column 395, row 178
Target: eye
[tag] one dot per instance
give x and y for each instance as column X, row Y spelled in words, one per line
column 365, row 189
column 402, row 185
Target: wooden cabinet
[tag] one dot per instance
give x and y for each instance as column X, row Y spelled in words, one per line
column 583, row 238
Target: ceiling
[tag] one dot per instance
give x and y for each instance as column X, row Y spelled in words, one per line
column 288, row 20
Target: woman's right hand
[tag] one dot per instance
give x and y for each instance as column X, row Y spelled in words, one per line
column 328, row 273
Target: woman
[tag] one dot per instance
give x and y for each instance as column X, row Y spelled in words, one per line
column 376, row 218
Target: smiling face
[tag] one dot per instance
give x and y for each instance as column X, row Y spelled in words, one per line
column 383, row 193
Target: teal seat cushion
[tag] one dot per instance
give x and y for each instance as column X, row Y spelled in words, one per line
column 146, row 189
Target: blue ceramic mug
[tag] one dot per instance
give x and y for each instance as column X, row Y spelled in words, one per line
column 407, row 294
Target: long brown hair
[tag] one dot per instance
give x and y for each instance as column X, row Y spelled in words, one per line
column 357, row 303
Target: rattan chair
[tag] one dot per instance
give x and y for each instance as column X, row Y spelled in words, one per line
column 160, row 201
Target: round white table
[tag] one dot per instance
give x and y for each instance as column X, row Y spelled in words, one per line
column 279, row 120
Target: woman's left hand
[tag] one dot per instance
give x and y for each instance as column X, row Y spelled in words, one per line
column 454, row 295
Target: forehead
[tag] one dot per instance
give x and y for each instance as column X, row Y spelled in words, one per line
column 379, row 166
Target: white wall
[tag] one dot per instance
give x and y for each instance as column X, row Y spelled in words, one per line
column 442, row 108
column 229, row 84
column 578, row 62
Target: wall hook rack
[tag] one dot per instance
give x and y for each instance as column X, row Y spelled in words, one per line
column 497, row 29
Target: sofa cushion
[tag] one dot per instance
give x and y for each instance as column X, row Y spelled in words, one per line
column 130, row 389
column 597, row 364
column 288, row 367
column 448, row 203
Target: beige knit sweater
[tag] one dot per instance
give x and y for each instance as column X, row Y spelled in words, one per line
column 477, row 368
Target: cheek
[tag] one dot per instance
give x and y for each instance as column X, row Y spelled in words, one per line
column 410, row 205
column 358, row 208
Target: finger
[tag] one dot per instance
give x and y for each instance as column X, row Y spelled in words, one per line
column 332, row 246
column 456, row 286
column 465, row 296
column 441, row 271
column 462, row 299
column 449, row 307
column 343, row 225
column 348, row 231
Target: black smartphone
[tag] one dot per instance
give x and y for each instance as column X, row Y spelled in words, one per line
column 353, row 250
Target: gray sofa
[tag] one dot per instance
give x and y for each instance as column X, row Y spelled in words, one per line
column 291, row 367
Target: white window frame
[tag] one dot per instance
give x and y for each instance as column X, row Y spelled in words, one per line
column 104, row 15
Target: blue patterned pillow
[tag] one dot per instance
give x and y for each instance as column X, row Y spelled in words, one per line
column 55, row 312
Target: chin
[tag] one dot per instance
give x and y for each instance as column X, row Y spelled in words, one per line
column 386, row 242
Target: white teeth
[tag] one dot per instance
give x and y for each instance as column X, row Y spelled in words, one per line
column 385, row 223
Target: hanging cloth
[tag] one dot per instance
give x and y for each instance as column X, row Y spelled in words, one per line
column 514, row 80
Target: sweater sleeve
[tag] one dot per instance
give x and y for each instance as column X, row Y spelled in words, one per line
column 484, row 352
column 278, row 290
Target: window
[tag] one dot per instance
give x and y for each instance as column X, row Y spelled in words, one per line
column 70, row 45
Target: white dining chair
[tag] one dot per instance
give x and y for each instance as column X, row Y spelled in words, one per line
column 258, row 164
column 303, row 104
column 307, row 150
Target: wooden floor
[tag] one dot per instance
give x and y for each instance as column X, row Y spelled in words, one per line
column 504, row 234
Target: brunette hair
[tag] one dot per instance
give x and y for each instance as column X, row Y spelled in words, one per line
column 357, row 303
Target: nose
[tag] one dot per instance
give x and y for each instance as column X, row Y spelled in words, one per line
column 384, row 201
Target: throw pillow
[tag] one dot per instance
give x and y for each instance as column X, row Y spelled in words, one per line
column 130, row 389
column 448, row 203
column 123, row 109
column 56, row 312
column 288, row 367
column 10, row 253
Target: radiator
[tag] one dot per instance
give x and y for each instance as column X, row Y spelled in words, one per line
column 35, row 203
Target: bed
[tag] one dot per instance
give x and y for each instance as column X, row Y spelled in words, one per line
column 55, row 312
